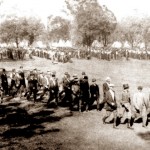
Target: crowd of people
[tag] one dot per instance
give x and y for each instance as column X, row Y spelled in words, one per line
column 74, row 91
column 64, row 54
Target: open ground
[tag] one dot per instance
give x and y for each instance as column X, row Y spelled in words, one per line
column 42, row 128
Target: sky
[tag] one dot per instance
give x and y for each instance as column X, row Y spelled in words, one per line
column 44, row 8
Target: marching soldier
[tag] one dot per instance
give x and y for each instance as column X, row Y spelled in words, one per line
column 53, row 88
column 22, row 85
column 13, row 82
column 75, row 87
column 45, row 85
column 140, row 106
column 66, row 84
column 106, row 86
column 33, row 85
column 94, row 93
column 84, row 87
column 126, row 103
column 4, row 82
column 110, row 105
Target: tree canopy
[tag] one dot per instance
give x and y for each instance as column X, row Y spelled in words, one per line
column 58, row 29
column 15, row 30
column 91, row 22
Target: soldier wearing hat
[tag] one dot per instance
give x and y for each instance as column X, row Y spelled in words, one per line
column 53, row 88
column 106, row 86
column 32, row 87
column 45, row 85
column 4, row 81
column 110, row 105
column 13, row 77
column 94, row 93
column 140, row 106
column 75, row 87
column 22, row 83
column 84, row 87
column 66, row 88
column 126, row 104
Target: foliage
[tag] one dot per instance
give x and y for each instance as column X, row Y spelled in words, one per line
column 90, row 22
column 58, row 29
column 15, row 30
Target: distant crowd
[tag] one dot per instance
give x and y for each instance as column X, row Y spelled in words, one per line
column 64, row 55
column 74, row 92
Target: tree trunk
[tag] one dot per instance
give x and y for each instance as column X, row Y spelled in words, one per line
column 17, row 42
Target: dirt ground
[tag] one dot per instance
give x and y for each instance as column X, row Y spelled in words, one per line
column 28, row 126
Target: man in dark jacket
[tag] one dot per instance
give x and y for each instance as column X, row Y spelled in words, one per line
column 33, row 84
column 66, row 85
column 110, row 105
column 94, row 92
column 53, row 88
column 4, row 82
column 84, row 88
column 75, row 88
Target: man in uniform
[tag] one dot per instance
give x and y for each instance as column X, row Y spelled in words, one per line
column 126, row 104
column 106, row 86
column 12, row 88
column 94, row 93
column 66, row 85
column 22, row 85
column 53, row 88
column 75, row 87
column 140, row 106
column 84, row 87
column 33, row 84
column 110, row 105
column 45, row 85
column 4, row 82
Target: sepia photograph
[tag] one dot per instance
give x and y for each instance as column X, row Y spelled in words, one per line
column 74, row 75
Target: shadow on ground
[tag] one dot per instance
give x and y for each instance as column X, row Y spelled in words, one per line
column 145, row 136
column 18, row 122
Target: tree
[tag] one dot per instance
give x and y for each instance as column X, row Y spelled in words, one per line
column 19, row 29
column 10, row 32
column 107, row 24
column 58, row 29
column 90, row 22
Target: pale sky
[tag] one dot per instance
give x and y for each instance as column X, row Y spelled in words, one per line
column 44, row 8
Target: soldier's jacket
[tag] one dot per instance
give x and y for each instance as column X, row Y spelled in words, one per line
column 66, row 82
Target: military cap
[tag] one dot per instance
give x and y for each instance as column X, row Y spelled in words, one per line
column 93, row 80
column 85, row 77
column 140, row 87
column 66, row 73
column 125, row 86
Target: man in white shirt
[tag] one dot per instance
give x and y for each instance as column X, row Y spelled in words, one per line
column 140, row 105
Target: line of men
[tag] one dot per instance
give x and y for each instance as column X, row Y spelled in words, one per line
column 74, row 91
column 134, row 108
column 70, row 90
column 104, row 54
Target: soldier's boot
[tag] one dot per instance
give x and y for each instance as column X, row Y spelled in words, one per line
column 128, row 123
column 97, row 105
column 104, row 119
column 80, row 105
column 115, row 122
column 87, row 107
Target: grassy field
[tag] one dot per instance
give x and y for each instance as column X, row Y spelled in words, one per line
column 68, row 131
